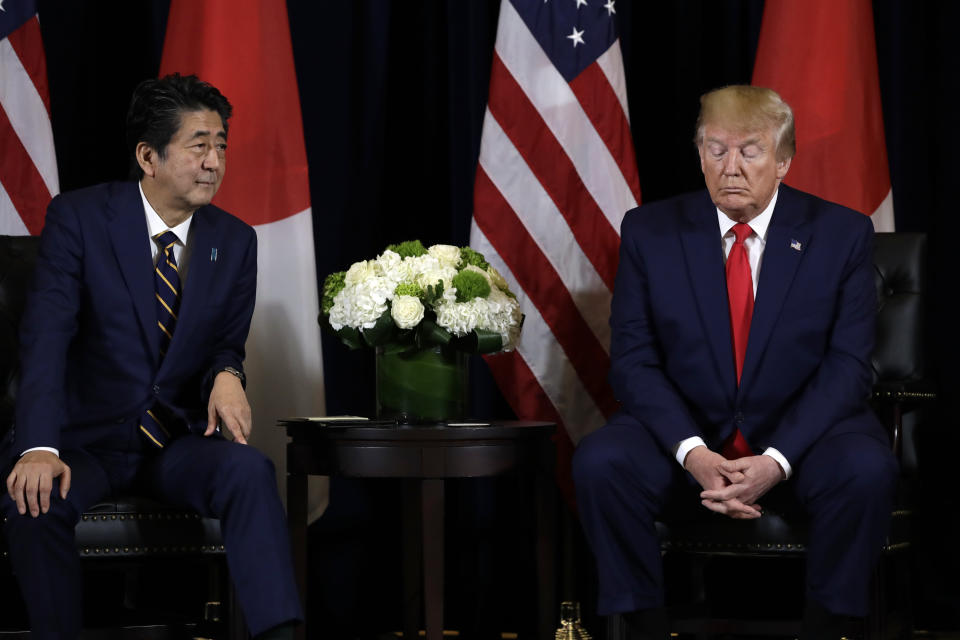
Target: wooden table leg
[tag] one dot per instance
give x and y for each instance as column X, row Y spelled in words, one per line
column 432, row 505
column 297, row 521
column 412, row 575
column 546, row 555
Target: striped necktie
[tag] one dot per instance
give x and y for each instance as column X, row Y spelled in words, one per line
column 167, row 291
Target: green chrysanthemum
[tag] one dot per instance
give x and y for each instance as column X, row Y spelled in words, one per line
column 470, row 285
column 409, row 249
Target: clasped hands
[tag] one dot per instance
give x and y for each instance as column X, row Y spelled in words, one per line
column 732, row 487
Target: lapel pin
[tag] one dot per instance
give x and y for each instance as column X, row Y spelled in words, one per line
column 794, row 244
column 213, row 254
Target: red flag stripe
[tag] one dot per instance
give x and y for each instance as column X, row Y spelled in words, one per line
column 530, row 135
column 26, row 42
column 540, row 282
column 601, row 105
column 21, row 180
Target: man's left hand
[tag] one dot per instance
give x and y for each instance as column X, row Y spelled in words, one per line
column 228, row 403
column 750, row 479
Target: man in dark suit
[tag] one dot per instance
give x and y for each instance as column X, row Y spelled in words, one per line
column 742, row 326
column 132, row 347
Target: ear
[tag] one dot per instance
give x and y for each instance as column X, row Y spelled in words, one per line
column 782, row 167
column 147, row 158
column 700, row 152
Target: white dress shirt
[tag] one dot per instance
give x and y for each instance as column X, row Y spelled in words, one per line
column 181, row 252
column 754, row 244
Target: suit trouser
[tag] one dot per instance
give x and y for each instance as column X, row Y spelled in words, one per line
column 624, row 481
column 212, row 476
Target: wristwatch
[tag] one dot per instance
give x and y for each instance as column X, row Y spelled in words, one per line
column 233, row 371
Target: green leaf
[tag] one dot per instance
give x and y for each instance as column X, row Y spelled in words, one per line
column 480, row 341
column 430, row 334
column 381, row 332
column 351, row 337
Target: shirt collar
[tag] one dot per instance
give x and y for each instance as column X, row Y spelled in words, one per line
column 759, row 224
column 155, row 223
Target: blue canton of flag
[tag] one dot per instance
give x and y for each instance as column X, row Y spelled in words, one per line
column 12, row 15
column 572, row 33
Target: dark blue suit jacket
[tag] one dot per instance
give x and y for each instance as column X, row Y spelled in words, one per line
column 807, row 368
column 89, row 337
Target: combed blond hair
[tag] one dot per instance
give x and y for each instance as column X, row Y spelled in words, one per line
column 747, row 109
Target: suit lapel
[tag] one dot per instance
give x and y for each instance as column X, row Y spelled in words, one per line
column 127, row 227
column 704, row 257
column 787, row 238
column 199, row 274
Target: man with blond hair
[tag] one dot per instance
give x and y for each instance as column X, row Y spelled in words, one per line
column 742, row 326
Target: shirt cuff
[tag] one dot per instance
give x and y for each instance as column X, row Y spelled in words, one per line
column 776, row 455
column 50, row 449
column 683, row 447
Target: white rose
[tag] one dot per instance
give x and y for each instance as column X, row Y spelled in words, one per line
column 447, row 254
column 359, row 272
column 476, row 269
column 496, row 278
column 407, row 311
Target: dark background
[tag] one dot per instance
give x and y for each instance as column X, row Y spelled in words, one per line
column 393, row 95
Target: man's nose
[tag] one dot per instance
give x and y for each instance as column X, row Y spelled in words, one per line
column 212, row 159
column 731, row 163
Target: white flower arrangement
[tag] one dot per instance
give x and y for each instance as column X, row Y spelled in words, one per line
column 419, row 297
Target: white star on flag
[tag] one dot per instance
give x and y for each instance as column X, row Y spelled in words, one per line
column 577, row 37
column 609, row 7
column 581, row 2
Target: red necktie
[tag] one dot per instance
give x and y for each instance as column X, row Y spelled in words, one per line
column 740, row 296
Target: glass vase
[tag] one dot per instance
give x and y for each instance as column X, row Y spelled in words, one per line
column 422, row 386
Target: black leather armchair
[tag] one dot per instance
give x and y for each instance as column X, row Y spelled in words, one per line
column 898, row 364
column 124, row 528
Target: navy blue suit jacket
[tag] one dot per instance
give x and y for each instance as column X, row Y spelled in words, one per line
column 89, row 337
column 807, row 368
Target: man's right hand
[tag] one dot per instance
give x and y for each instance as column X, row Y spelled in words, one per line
column 30, row 482
column 704, row 465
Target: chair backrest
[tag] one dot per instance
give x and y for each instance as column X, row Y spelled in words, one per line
column 900, row 277
column 18, row 254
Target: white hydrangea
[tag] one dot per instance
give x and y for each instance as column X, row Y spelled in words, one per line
column 460, row 318
column 360, row 305
column 498, row 312
column 448, row 255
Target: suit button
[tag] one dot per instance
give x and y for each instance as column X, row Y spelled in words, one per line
column 156, row 389
column 738, row 418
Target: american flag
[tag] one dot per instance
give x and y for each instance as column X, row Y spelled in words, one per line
column 557, row 172
column 28, row 164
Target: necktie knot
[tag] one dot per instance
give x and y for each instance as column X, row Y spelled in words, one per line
column 165, row 240
column 742, row 231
